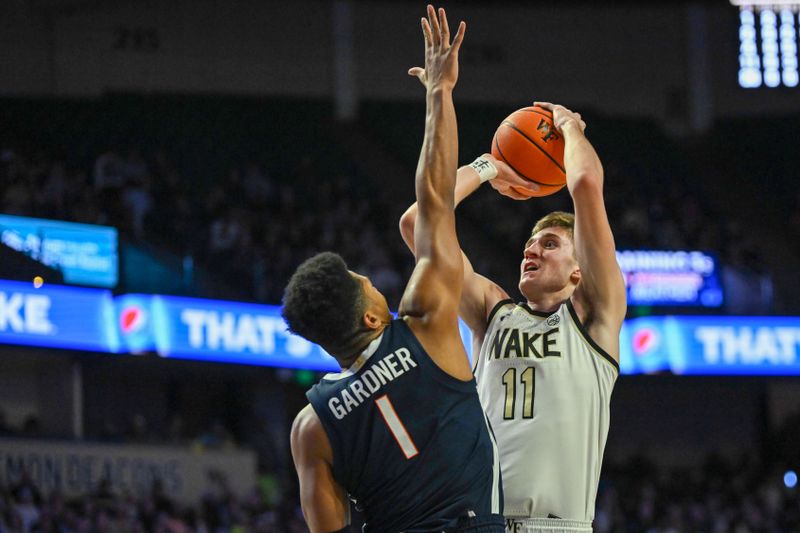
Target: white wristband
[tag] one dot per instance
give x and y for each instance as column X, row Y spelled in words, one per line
column 485, row 169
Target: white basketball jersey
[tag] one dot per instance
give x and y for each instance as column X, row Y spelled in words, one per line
column 546, row 387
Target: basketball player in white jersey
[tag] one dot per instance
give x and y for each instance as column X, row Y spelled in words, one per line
column 546, row 366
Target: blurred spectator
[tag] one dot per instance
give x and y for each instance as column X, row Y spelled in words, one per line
column 794, row 224
column 228, row 233
column 215, row 437
column 748, row 288
column 134, row 167
column 139, row 202
column 5, row 429
column 104, row 491
column 51, row 196
column 17, row 195
column 139, row 430
column 257, row 187
column 26, row 504
column 108, row 171
column 635, row 223
column 747, row 291
column 386, row 279
column 109, row 432
column 785, row 439
column 176, row 430
column 86, row 208
column 31, row 427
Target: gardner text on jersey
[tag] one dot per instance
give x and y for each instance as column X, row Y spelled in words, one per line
column 370, row 381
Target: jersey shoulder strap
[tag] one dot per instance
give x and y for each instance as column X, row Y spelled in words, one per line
column 587, row 338
column 497, row 307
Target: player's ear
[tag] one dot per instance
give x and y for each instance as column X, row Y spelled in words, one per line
column 575, row 277
column 371, row 319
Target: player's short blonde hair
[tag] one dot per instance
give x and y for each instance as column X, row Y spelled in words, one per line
column 558, row 219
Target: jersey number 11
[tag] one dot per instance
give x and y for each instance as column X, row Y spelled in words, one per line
column 529, row 389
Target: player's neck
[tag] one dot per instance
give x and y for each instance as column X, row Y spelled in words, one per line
column 348, row 354
column 547, row 303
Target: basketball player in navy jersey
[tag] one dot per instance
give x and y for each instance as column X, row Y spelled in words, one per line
column 400, row 429
column 546, row 367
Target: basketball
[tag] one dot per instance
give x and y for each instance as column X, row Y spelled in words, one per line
column 528, row 142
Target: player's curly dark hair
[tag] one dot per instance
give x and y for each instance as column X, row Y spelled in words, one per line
column 323, row 302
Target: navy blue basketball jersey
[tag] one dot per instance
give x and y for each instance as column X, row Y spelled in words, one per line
column 411, row 444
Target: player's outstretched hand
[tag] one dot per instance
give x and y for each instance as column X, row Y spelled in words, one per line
column 509, row 183
column 562, row 115
column 441, row 56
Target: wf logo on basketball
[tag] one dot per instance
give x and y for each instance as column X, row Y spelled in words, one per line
column 528, row 141
column 548, row 131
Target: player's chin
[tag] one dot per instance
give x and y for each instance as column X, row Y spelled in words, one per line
column 527, row 286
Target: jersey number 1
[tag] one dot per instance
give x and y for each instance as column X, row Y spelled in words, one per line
column 396, row 426
column 529, row 389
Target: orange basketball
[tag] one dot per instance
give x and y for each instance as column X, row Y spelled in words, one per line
column 530, row 144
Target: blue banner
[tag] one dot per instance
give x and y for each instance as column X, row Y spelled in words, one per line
column 84, row 253
column 671, row 278
column 235, row 332
column 711, row 345
column 57, row 316
column 215, row 330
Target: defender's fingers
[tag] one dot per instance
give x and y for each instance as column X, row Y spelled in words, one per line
column 445, row 27
column 434, row 22
column 426, row 32
column 545, row 105
column 459, row 38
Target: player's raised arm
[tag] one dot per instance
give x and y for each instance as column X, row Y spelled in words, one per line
column 601, row 291
column 430, row 302
column 436, row 168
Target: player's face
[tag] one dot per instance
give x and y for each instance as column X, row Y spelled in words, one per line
column 376, row 301
column 548, row 263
